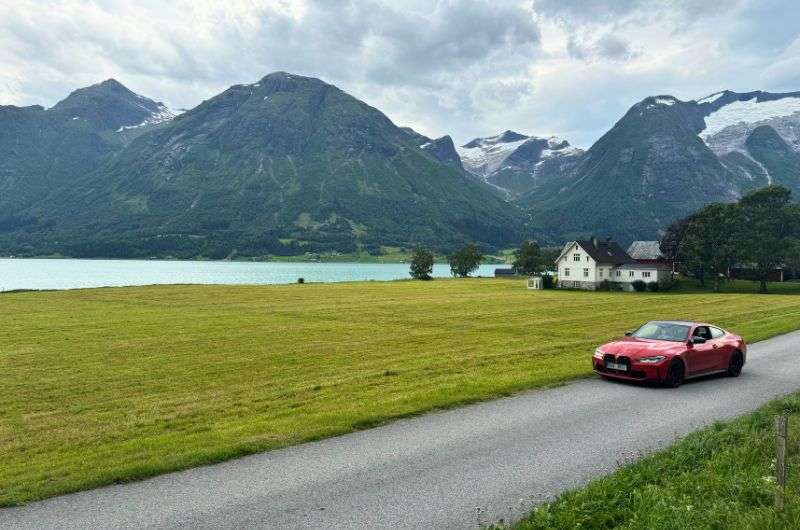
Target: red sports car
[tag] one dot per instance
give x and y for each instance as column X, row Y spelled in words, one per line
column 671, row 351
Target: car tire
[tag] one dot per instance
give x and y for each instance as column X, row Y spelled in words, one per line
column 735, row 364
column 675, row 374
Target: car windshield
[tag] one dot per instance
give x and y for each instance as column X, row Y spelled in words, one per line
column 662, row 331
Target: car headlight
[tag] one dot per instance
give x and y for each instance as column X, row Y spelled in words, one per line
column 599, row 353
column 652, row 360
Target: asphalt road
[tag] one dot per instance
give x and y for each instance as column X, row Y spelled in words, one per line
column 453, row 469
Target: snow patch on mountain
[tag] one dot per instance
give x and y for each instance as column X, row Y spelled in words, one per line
column 484, row 156
column 749, row 111
column 516, row 163
column 159, row 116
column 727, row 129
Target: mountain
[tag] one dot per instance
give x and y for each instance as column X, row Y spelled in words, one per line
column 442, row 149
column 666, row 158
column 110, row 106
column 45, row 149
column 291, row 164
column 285, row 165
column 515, row 163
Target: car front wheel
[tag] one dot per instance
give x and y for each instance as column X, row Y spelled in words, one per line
column 735, row 364
column 675, row 375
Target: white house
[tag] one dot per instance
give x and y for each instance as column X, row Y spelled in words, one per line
column 585, row 264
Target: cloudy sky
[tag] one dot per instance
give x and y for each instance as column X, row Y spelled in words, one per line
column 461, row 67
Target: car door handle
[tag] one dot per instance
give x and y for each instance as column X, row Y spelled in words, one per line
column 714, row 346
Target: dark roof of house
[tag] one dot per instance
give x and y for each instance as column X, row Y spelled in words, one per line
column 645, row 250
column 605, row 251
column 505, row 272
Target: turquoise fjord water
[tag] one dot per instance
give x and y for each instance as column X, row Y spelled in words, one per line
column 80, row 273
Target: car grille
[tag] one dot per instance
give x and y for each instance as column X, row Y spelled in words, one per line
column 619, row 360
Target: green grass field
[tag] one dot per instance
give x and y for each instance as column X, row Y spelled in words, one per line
column 719, row 477
column 108, row 385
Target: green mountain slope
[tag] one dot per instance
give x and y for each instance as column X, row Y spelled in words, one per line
column 775, row 155
column 285, row 165
column 649, row 169
column 46, row 150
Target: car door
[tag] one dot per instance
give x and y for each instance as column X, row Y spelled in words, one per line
column 702, row 357
column 721, row 348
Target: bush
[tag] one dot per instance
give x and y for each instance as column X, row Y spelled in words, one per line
column 670, row 283
column 605, row 285
column 653, row 287
column 301, row 280
column 548, row 282
column 639, row 286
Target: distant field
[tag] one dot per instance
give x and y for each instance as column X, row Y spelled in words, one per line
column 108, row 385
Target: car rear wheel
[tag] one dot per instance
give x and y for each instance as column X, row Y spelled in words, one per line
column 675, row 375
column 735, row 364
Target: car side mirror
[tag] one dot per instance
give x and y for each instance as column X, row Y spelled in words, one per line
column 628, row 333
column 698, row 340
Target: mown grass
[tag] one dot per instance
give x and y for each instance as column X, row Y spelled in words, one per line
column 720, row 477
column 108, row 385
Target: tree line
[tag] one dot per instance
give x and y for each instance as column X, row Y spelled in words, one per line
column 760, row 232
column 529, row 259
column 463, row 262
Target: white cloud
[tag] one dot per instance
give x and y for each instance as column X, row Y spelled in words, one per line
column 459, row 67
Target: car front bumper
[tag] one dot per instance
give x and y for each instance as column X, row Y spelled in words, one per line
column 637, row 371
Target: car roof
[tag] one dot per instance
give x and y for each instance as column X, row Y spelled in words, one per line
column 682, row 322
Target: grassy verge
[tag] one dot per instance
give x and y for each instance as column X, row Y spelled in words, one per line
column 109, row 385
column 719, row 477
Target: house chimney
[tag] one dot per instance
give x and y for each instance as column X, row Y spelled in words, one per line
column 594, row 241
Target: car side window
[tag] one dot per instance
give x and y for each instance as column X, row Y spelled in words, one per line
column 702, row 332
column 717, row 333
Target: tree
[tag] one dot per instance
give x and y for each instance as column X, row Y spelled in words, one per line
column 712, row 240
column 672, row 244
column 766, row 229
column 465, row 260
column 421, row 264
column 528, row 259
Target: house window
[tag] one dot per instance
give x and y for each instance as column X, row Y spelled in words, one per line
column 587, row 258
column 576, row 257
column 566, row 271
column 631, row 273
column 600, row 272
column 619, row 273
column 645, row 274
column 585, row 273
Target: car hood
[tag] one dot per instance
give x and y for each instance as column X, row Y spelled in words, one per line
column 635, row 348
